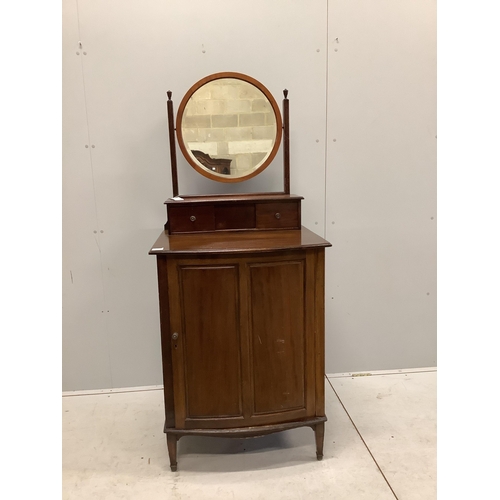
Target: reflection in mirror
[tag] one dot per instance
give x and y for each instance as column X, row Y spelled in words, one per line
column 229, row 129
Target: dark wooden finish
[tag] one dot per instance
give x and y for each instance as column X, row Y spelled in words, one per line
column 319, row 328
column 266, row 283
column 312, row 257
column 226, row 198
column 286, row 142
column 279, row 215
column 236, row 242
column 234, row 216
column 241, row 289
column 241, row 347
column 219, row 213
column 319, row 433
column 184, row 148
column 166, row 351
column 317, row 424
column 191, row 219
column 172, row 439
column 207, row 357
column 171, row 137
column 247, row 432
column 278, row 339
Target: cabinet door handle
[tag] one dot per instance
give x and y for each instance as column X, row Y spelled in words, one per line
column 175, row 336
column 192, row 218
column 277, row 215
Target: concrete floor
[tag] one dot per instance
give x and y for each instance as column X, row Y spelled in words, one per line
column 380, row 443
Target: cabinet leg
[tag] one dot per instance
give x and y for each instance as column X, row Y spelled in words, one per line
column 172, row 450
column 319, row 433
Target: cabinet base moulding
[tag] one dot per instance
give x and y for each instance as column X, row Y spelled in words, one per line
column 317, row 424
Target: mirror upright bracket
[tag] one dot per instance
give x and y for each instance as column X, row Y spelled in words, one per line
column 286, row 143
column 171, row 137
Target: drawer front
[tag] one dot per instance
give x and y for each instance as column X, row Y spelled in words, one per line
column 278, row 215
column 191, row 219
column 234, row 217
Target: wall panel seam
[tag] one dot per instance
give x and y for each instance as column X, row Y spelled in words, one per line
column 326, row 118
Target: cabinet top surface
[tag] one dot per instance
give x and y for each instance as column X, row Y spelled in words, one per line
column 237, row 242
column 210, row 199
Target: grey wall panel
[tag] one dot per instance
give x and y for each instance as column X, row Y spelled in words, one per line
column 134, row 53
column 381, row 185
column 375, row 96
column 125, row 70
column 85, row 345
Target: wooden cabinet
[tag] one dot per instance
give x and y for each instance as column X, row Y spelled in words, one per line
column 242, row 333
column 241, row 282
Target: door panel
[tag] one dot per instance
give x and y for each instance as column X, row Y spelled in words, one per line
column 245, row 351
column 277, row 336
column 210, row 341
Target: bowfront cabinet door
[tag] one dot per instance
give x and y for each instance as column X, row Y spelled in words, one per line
column 243, row 331
column 279, row 340
column 206, row 355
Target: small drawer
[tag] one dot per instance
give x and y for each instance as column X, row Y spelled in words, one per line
column 190, row 219
column 234, row 217
column 285, row 215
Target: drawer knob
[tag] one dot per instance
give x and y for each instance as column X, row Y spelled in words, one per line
column 192, row 218
column 175, row 336
column 277, row 215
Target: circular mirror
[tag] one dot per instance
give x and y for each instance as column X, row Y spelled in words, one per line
column 229, row 127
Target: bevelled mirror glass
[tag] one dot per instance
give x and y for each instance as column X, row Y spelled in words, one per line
column 229, row 127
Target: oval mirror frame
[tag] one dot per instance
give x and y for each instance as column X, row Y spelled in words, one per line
column 183, row 144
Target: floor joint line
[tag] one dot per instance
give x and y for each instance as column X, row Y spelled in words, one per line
column 109, row 392
column 364, row 442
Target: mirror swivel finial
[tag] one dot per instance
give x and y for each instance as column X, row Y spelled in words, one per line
column 169, row 94
column 285, row 93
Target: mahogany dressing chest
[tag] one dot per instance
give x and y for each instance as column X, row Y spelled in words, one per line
column 240, row 280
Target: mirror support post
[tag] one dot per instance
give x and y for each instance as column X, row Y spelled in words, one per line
column 171, row 136
column 286, row 143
